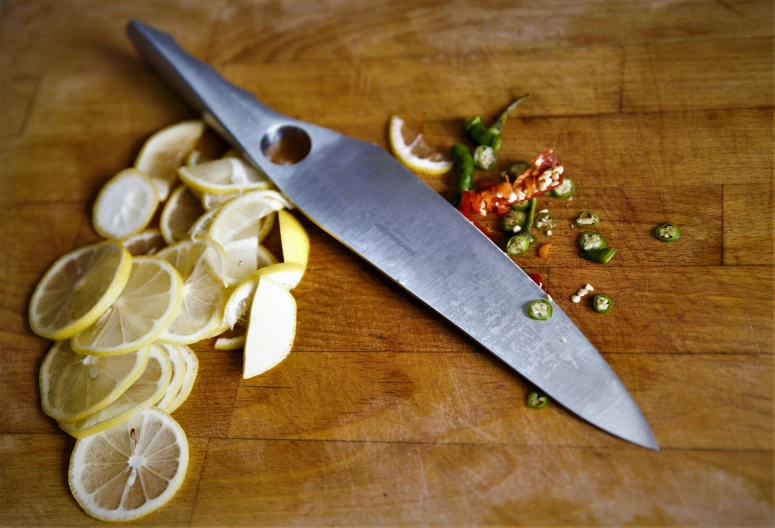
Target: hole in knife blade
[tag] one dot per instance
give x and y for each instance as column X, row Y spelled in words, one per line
column 285, row 144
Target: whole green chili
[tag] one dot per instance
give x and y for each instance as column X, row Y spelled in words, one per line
column 497, row 127
column 462, row 158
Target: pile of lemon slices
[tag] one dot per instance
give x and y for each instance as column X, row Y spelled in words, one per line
column 123, row 311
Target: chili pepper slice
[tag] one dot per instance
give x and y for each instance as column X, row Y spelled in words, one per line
column 535, row 277
column 543, row 251
column 545, row 221
column 601, row 256
column 462, row 158
column 537, row 400
column 667, row 232
column 520, row 206
column 512, row 220
column 591, row 240
column 518, row 168
column 517, row 245
column 602, row 303
column 540, row 310
column 531, row 239
column 587, row 219
column 485, row 157
column 565, row 190
column 497, row 127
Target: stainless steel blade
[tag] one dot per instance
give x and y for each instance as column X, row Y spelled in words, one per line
column 368, row 201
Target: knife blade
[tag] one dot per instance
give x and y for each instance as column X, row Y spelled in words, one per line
column 360, row 195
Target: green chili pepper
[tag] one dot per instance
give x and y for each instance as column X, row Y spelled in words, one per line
column 512, row 220
column 537, row 400
column 565, row 190
column 539, row 310
column 531, row 239
column 471, row 122
column 478, row 133
column 531, row 215
column 496, row 143
column 485, row 157
column 591, row 240
column 501, row 122
column 517, row 245
column 523, row 206
column 667, row 232
column 545, row 222
column 587, row 219
column 517, row 168
column 461, row 157
column 601, row 256
column 602, row 303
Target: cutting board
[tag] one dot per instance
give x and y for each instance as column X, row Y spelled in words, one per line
column 384, row 413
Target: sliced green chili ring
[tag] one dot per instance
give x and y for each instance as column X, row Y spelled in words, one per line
column 602, row 303
column 523, row 206
column 517, row 168
column 545, row 221
column 501, row 122
column 540, row 310
column 531, row 238
column 667, row 232
column 601, row 256
column 462, row 158
column 537, row 400
column 513, row 219
column 587, row 219
column 485, row 157
column 565, row 190
column 591, row 240
column 517, row 245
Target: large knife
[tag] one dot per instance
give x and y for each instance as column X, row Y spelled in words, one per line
column 360, row 195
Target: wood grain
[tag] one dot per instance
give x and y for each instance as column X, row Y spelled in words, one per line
column 384, row 413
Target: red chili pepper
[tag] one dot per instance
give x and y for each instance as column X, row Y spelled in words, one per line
column 537, row 279
column 479, row 226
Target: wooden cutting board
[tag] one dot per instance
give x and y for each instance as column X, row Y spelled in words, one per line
column 384, row 413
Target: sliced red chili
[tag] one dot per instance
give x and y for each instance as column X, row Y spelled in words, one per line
column 537, row 279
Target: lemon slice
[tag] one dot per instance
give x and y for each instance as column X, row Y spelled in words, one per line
column 202, row 224
column 148, row 389
column 294, row 240
column 239, row 228
column 199, row 263
column 145, row 242
column 271, row 328
column 180, row 212
column 223, row 176
column 164, row 151
column 413, row 152
column 230, row 343
column 130, row 470
column 151, row 300
column 77, row 289
column 73, row 386
column 191, row 370
column 178, row 374
column 125, row 205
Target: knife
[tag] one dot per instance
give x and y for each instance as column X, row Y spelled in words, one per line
column 368, row 201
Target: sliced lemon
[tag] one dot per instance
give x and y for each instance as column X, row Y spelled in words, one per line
column 294, row 240
column 73, row 386
column 286, row 274
column 164, row 151
column 192, row 368
column 240, row 227
column 148, row 389
column 199, row 263
column 149, row 303
column 125, row 205
column 145, row 242
column 213, row 201
column 77, row 289
column 230, row 343
column 223, row 176
column 271, row 328
column 180, row 212
column 178, row 374
column 202, row 224
column 410, row 149
column 130, row 470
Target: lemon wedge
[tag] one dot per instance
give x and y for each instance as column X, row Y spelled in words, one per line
column 271, row 328
column 125, row 205
column 410, row 149
column 130, row 470
column 223, row 176
column 202, row 224
column 73, row 386
column 148, row 389
column 150, row 301
column 77, row 289
column 191, row 366
column 180, row 212
column 164, row 151
column 200, row 263
column 145, row 242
